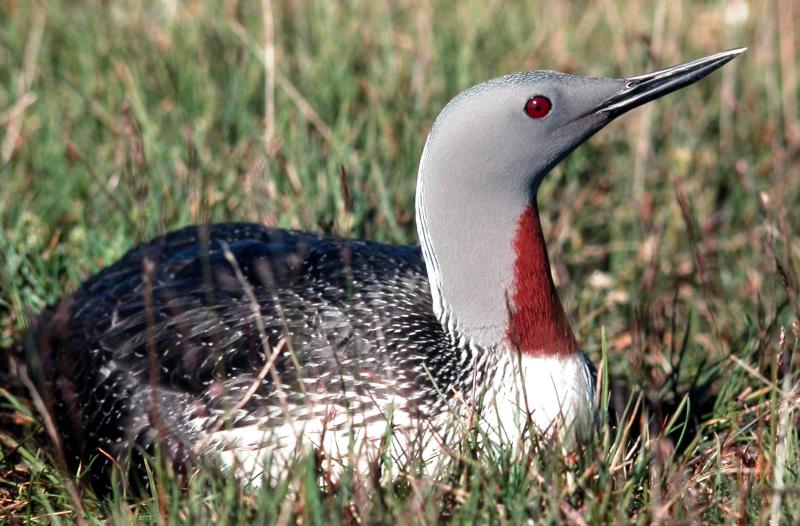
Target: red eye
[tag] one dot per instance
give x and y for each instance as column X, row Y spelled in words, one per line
column 538, row 107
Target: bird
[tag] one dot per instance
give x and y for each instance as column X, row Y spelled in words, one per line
column 251, row 344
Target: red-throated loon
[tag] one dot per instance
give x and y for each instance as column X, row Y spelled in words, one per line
column 254, row 342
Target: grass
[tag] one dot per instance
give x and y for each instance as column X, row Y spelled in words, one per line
column 673, row 233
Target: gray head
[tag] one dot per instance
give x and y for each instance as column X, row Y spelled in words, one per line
column 485, row 157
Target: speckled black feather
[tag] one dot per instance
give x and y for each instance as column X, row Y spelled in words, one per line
column 356, row 317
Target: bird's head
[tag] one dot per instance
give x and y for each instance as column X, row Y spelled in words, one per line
column 517, row 127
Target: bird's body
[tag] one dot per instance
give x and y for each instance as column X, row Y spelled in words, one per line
column 256, row 343
column 351, row 322
column 357, row 350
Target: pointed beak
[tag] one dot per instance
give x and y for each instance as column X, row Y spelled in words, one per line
column 644, row 88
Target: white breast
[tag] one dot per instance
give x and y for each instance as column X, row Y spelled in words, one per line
column 556, row 392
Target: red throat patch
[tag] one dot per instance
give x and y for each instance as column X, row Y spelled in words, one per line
column 538, row 325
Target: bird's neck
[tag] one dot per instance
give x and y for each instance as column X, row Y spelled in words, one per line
column 489, row 272
column 537, row 323
column 483, row 245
